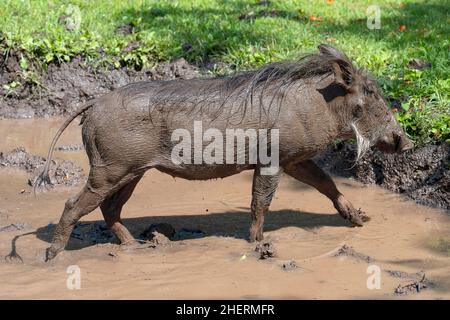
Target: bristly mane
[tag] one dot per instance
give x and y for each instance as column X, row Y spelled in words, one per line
column 210, row 95
column 277, row 77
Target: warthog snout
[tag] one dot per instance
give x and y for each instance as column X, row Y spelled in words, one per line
column 394, row 142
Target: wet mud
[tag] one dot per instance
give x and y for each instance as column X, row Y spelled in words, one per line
column 208, row 255
column 63, row 87
column 62, row 172
column 348, row 251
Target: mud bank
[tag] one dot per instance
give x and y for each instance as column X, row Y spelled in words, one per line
column 62, row 172
column 63, row 87
column 422, row 174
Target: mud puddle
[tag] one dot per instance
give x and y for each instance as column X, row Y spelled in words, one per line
column 303, row 227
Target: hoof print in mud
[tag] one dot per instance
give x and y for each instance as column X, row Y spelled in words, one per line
column 265, row 250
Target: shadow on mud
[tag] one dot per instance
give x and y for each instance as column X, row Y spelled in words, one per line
column 227, row 224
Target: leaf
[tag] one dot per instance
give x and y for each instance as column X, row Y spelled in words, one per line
column 314, row 18
column 49, row 57
column 24, row 63
column 405, row 106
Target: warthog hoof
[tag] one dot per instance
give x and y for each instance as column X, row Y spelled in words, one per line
column 358, row 218
column 50, row 253
column 348, row 212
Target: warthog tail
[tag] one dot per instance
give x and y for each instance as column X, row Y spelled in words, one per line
column 44, row 179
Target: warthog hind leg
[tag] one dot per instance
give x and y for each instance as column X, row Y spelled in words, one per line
column 112, row 208
column 309, row 173
column 263, row 189
column 102, row 183
column 75, row 208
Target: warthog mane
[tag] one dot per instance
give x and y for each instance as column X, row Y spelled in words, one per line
column 267, row 86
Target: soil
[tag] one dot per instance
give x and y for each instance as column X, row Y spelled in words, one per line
column 209, row 255
column 289, row 265
column 422, row 174
column 265, row 250
column 62, row 172
column 348, row 251
column 405, row 275
column 412, row 287
column 64, row 86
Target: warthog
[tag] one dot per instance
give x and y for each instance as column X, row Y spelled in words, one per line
column 312, row 102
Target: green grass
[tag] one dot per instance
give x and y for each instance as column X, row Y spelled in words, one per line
column 241, row 35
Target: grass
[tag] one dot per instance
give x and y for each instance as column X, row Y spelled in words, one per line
column 247, row 34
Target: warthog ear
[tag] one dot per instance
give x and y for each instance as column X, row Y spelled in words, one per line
column 340, row 64
column 342, row 74
column 331, row 51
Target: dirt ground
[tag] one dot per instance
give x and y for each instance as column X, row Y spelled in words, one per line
column 63, row 87
column 421, row 174
column 317, row 255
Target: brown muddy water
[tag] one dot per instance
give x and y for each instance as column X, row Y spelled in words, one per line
column 218, row 263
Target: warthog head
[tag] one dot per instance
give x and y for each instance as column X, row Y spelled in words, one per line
column 365, row 112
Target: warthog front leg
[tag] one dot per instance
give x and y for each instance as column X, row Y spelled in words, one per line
column 309, row 173
column 263, row 189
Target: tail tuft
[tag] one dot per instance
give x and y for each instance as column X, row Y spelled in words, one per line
column 43, row 179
